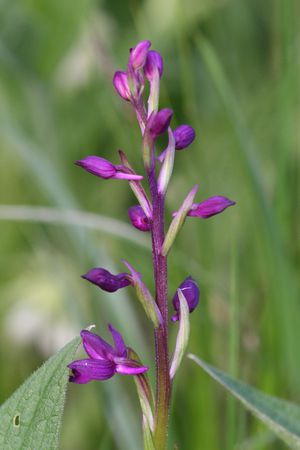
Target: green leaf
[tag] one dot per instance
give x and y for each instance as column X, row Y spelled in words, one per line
column 31, row 417
column 282, row 417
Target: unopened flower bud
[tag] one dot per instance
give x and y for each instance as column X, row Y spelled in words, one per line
column 120, row 82
column 154, row 62
column 138, row 55
column 210, row 207
column 184, row 136
column 138, row 218
column 105, row 169
column 106, row 280
column 191, row 292
column 159, row 122
column 97, row 166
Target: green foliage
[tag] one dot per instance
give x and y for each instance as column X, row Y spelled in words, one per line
column 280, row 416
column 32, row 416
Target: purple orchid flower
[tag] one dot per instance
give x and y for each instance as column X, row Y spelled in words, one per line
column 105, row 169
column 138, row 55
column 154, row 62
column 159, row 122
column 191, row 291
column 106, row 280
column 210, row 207
column 184, row 135
column 138, row 218
column 121, row 85
column 104, row 360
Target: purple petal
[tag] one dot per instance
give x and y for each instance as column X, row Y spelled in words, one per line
column 210, row 207
column 121, row 350
column 154, row 62
column 120, row 82
column 97, row 166
column 130, row 367
column 158, row 122
column 138, row 218
column 96, row 347
column 106, row 280
column 138, row 54
column 184, row 136
column 191, row 292
column 85, row 370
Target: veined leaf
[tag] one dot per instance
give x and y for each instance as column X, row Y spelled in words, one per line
column 282, row 417
column 31, row 417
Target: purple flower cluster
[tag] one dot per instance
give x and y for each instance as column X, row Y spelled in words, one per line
column 103, row 360
column 145, row 67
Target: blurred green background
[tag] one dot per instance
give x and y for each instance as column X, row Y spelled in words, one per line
column 232, row 72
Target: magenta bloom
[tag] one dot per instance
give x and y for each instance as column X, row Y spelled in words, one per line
column 104, row 360
column 158, row 122
column 105, row 169
column 210, row 207
column 138, row 55
column 106, row 280
column 120, row 82
column 138, row 218
column 191, row 291
column 154, row 62
column 184, row 135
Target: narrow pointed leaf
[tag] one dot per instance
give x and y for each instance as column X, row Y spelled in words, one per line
column 282, row 417
column 31, row 417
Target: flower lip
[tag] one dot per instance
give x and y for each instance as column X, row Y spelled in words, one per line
column 86, row 370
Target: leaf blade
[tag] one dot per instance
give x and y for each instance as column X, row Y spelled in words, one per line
column 31, row 417
column 281, row 416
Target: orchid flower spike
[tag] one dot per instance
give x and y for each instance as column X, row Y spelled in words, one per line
column 105, row 169
column 103, row 360
column 191, row 292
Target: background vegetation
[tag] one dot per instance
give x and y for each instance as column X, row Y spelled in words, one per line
column 232, row 72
